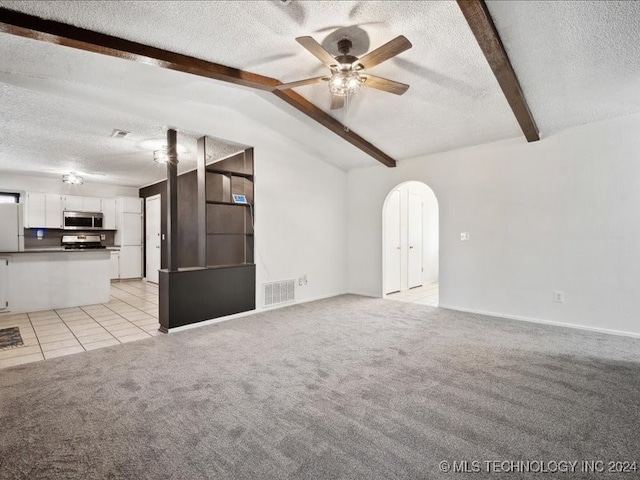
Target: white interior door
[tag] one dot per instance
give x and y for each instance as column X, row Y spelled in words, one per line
column 393, row 246
column 414, row 240
column 152, row 221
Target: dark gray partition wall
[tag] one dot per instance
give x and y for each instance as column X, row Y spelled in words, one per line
column 226, row 283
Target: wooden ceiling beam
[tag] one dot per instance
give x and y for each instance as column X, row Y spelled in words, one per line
column 309, row 109
column 484, row 30
column 50, row 31
column 29, row 26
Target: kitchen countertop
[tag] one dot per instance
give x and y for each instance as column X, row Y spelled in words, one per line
column 61, row 250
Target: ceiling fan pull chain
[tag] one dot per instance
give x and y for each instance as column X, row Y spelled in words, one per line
column 347, row 101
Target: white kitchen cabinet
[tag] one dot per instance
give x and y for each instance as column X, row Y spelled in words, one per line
column 77, row 203
column 131, row 261
column 73, row 203
column 129, row 221
column 92, row 204
column 53, row 210
column 109, row 213
column 115, row 265
column 130, row 205
column 4, row 284
column 36, row 210
column 131, row 229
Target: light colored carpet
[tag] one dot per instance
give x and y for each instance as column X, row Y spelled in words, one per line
column 348, row 387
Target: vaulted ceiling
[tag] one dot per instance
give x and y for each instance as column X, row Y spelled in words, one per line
column 577, row 62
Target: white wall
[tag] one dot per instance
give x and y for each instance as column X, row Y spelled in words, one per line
column 558, row 214
column 28, row 183
column 300, row 222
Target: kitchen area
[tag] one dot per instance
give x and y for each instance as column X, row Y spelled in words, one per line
column 60, row 251
column 71, row 275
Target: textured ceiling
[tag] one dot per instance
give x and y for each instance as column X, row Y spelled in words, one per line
column 577, row 63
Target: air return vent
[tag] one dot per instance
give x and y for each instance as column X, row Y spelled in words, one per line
column 276, row 293
column 117, row 133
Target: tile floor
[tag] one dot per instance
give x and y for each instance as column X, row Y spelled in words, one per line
column 424, row 295
column 131, row 314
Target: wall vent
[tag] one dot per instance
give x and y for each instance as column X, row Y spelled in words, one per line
column 117, row 133
column 276, row 293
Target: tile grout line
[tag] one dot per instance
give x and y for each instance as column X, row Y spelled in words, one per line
column 137, row 296
column 133, row 306
column 102, row 326
column 129, row 321
column 36, row 334
column 74, row 335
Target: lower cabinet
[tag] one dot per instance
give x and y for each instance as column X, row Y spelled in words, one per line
column 131, row 261
column 114, row 265
column 4, row 284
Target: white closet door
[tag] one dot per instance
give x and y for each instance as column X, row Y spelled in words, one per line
column 414, row 239
column 393, row 247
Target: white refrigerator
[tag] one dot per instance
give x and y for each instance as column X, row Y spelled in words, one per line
column 11, row 228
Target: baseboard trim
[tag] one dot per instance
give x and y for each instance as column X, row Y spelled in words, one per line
column 607, row 331
column 252, row 312
column 361, row 294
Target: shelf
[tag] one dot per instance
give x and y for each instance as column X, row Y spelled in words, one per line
column 216, row 202
column 237, row 234
column 248, row 176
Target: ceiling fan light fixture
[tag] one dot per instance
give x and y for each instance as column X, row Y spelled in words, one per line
column 345, row 82
column 72, row 179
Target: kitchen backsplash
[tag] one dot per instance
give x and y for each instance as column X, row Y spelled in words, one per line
column 53, row 237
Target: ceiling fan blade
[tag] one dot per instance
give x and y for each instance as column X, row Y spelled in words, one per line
column 385, row 84
column 337, row 102
column 385, row 52
column 317, row 50
column 300, row 83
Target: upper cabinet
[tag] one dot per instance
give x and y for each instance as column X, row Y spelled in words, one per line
column 109, row 213
column 53, row 210
column 77, row 203
column 129, row 205
column 43, row 210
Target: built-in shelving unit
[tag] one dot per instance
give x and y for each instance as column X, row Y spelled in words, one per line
column 229, row 224
column 224, row 282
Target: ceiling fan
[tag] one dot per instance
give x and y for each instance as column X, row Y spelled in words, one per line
column 348, row 72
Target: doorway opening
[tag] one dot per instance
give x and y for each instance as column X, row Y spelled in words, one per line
column 410, row 244
column 153, row 237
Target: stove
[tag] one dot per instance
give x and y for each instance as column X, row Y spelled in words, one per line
column 81, row 242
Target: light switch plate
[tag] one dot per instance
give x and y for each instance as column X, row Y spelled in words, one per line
column 464, row 237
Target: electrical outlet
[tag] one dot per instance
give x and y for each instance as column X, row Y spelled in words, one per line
column 300, row 282
column 558, row 296
column 464, row 237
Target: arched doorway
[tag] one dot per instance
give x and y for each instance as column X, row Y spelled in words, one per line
column 410, row 244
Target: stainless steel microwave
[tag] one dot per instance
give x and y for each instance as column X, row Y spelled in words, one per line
column 82, row 220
